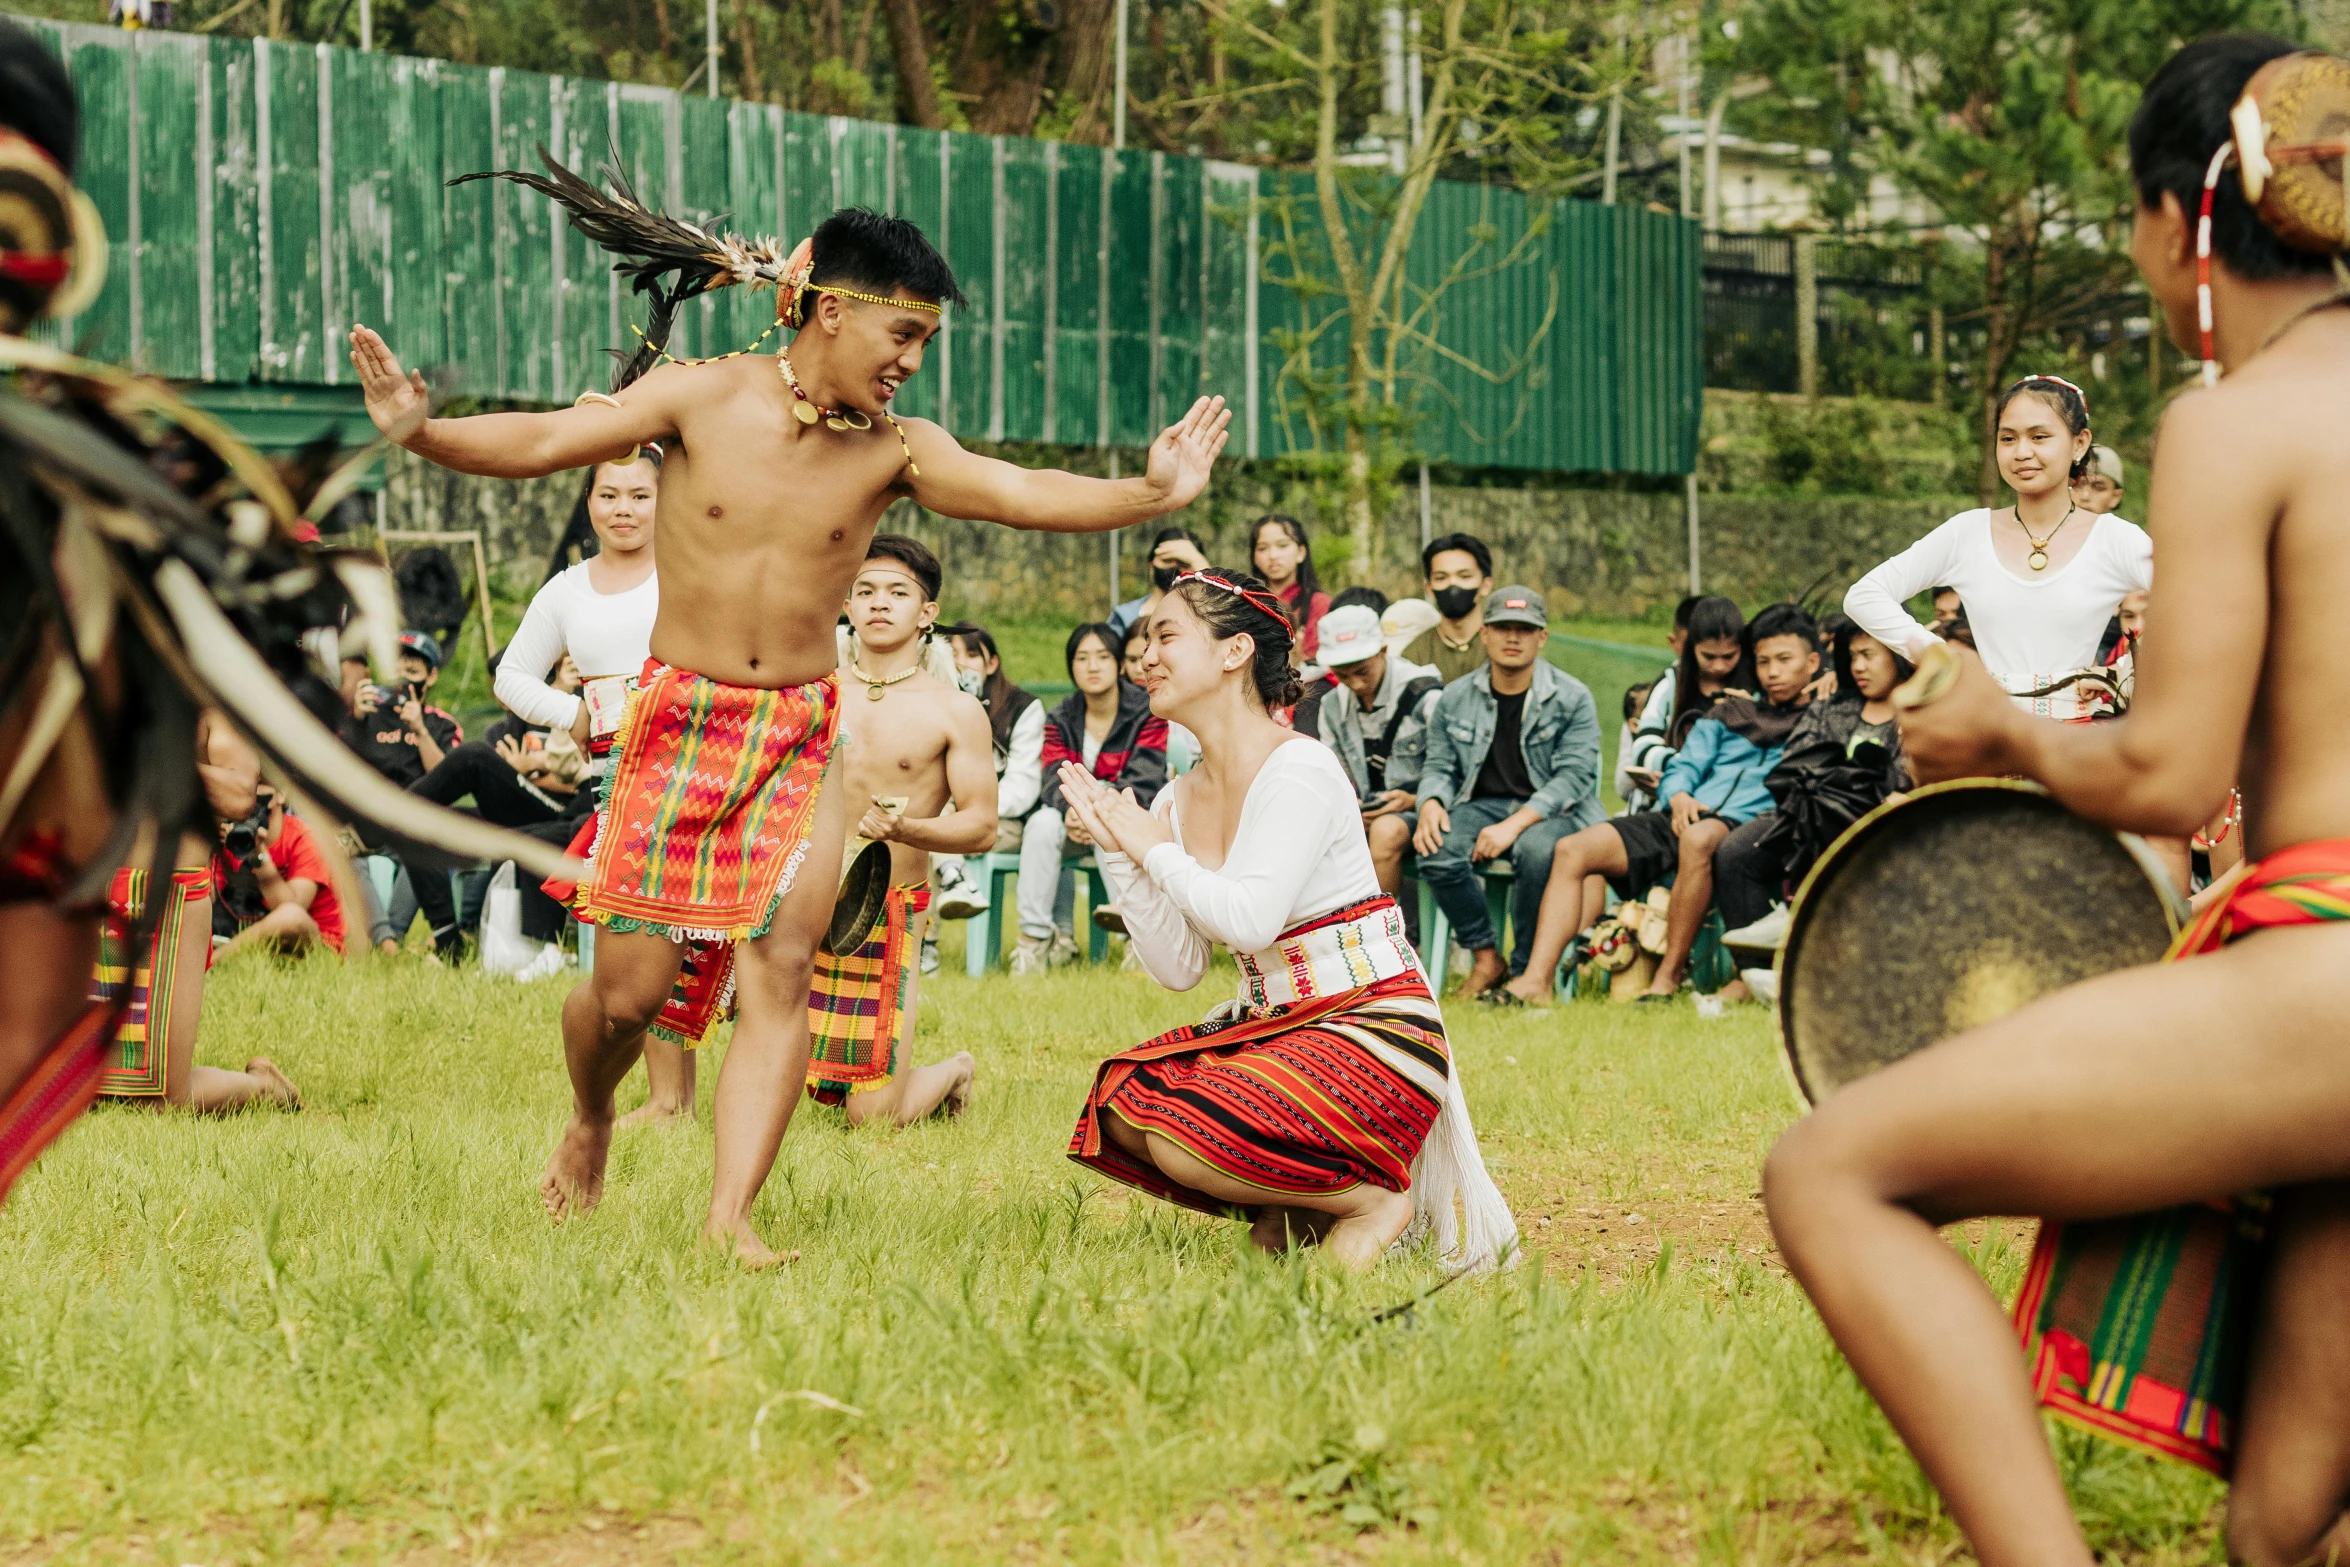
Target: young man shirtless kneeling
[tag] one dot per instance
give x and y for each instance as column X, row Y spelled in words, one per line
column 2186, row 1082
column 911, row 747
column 777, row 471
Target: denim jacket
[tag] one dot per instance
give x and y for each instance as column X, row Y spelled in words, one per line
column 1558, row 731
column 1343, row 722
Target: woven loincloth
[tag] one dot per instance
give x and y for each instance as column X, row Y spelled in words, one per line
column 857, row 1004
column 143, row 984
column 2138, row 1328
column 708, row 808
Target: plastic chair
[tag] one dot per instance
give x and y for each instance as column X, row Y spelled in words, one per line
column 1436, row 930
column 983, row 940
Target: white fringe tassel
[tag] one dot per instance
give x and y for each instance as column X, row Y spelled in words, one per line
column 1483, row 1234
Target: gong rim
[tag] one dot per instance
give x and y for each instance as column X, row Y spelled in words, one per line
column 864, row 894
column 1841, row 853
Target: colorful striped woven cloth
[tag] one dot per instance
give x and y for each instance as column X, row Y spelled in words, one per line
column 2137, row 1328
column 1312, row 1096
column 135, row 1064
column 59, row 1090
column 709, row 804
column 856, row 1004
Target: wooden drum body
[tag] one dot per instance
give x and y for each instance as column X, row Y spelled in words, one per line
column 1948, row 909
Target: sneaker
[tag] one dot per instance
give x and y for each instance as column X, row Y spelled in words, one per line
column 1063, row 951
column 961, row 895
column 1763, row 982
column 929, row 955
column 1767, row 934
column 1031, row 956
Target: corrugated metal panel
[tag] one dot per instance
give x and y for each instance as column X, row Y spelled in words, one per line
column 264, row 196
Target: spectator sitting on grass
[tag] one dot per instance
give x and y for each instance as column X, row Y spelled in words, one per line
column 1513, row 767
column 1712, row 647
column 1713, row 783
column 1842, row 760
column 1278, row 546
column 1174, row 551
column 1106, row 727
column 1459, row 569
column 1015, row 719
column 282, row 895
column 1377, row 726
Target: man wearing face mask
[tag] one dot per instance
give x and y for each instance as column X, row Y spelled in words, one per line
column 1174, row 551
column 1459, row 567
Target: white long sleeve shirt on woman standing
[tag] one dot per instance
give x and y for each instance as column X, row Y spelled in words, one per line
column 2027, row 627
column 605, row 634
column 1299, row 853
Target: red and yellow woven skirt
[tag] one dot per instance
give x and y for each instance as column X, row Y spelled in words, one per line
column 857, row 1016
column 2138, row 1328
column 144, row 981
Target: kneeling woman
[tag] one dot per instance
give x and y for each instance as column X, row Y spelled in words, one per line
column 1323, row 1103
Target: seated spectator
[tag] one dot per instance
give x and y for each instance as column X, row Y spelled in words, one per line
column 1712, row 646
column 399, row 734
column 1377, row 725
column 1277, row 546
column 1459, row 569
column 1630, row 790
column 1843, row 759
column 282, row 895
column 1016, row 719
column 1713, row 783
column 1369, row 597
column 1182, row 744
column 1174, row 551
column 1948, row 607
column 1105, row 726
column 1512, row 768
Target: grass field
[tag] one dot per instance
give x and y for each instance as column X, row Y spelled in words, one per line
column 350, row 1335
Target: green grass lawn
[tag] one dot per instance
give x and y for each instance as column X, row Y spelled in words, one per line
column 350, row 1335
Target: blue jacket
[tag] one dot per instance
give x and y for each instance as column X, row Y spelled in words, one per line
column 1558, row 731
column 1724, row 771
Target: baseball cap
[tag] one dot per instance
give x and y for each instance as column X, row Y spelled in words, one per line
column 1406, row 621
column 422, row 645
column 1516, row 606
column 1349, row 634
column 2105, row 460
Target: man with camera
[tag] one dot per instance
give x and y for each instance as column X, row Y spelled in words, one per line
column 401, row 735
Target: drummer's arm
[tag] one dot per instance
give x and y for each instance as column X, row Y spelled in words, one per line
column 2167, row 766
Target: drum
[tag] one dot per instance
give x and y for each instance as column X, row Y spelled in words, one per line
column 1951, row 908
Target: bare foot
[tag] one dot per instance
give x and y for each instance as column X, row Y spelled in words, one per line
column 958, row 1098
column 575, row 1172
column 278, row 1087
column 1278, row 1230
column 746, row 1247
column 1529, row 989
column 1486, row 972
column 651, row 1114
column 1361, row 1239
column 1737, row 990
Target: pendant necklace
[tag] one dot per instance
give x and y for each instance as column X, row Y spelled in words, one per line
column 807, row 410
column 876, row 684
column 2038, row 559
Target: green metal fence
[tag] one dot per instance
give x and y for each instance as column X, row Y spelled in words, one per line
column 264, row 196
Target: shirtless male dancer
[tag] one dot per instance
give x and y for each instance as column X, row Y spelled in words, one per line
column 777, row 469
column 2188, row 1081
column 912, row 746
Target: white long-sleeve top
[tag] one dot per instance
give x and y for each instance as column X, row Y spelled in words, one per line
column 2047, row 623
column 1299, row 853
column 1022, row 778
column 605, row 634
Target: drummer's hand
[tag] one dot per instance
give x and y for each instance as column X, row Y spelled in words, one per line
column 1970, row 731
column 1686, row 811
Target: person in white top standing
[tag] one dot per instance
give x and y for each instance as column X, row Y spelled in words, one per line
column 2039, row 579
column 1323, row 1103
column 601, row 612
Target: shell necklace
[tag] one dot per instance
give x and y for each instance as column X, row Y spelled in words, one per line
column 876, row 684
column 807, row 410
column 2038, row 559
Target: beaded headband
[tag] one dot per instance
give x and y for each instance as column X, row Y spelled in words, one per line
column 2067, row 385
column 791, row 299
column 1256, row 598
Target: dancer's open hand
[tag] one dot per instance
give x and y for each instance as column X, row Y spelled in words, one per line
column 398, row 401
column 1185, row 451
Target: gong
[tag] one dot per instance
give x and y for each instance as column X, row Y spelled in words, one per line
column 864, row 893
column 1948, row 909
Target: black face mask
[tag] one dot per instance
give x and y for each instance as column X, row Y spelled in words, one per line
column 1454, row 603
column 1163, row 577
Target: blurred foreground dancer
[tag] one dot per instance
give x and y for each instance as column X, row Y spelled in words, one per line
column 2179, row 1086
column 1323, row 1104
column 777, row 469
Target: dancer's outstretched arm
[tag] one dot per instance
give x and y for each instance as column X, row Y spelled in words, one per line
column 511, row 446
column 958, row 483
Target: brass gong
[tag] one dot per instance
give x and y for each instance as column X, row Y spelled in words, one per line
column 864, row 893
column 1949, row 909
